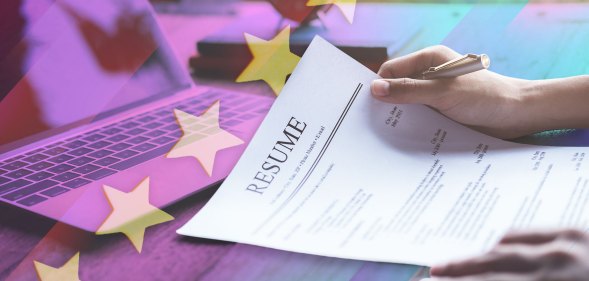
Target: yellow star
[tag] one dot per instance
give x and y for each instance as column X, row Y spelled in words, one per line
column 203, row 137
column 68, row 272
column 272, row 61
column 131, row 213
column 348, row 7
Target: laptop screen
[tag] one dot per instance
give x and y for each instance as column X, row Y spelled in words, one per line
column 71, row 62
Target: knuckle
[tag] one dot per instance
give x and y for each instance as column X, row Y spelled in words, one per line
column 557, row 258
column 573, row 234
column 386, row 69
column 440, row 51
column 408, row 84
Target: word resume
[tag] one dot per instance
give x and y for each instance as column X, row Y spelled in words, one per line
column 334, row 172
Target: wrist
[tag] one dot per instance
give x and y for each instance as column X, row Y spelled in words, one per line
column 521, row 108
column 554, row 104
column 532, row 107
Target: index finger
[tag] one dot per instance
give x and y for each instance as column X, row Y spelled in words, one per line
column 414, row 64
column 541, row 236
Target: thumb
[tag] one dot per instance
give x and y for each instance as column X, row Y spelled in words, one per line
column 405, row 90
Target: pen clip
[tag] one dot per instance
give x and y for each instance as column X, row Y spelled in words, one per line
column 459, row 66
column 454, row 62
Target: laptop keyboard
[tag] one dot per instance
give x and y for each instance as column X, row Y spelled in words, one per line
column 53, row 170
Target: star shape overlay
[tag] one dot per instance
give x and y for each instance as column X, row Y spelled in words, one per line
column 67, row 272
column 348, row 7
column 131, row 213
column 272, row 61
column 202, row 137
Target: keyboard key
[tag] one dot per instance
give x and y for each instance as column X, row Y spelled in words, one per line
column 86, row 169
column 171, row 127
column 80, row 151
column 55, row 145
column 208, row 95
column 32, row 200
column 111, row 131
column 94, row 137
column 118, row 138
column 100, row 144
column 162, row 140
column 34, row 151
column 163, row 113
column 14, row 158
column 153, row 125
column 119, row 146
column 60, row 168
column 126, row 154
column 136, row 131
column 125, row 164
column 130, row 125
column 155, row 133
column 81, row 161
column 146, row 119
column 102, row 173
column 101, row 153
column 14, row 165
column 60, row 158
column 170, row 119
column 201, row 108
column 13, row 185
column 35, row 158
column 19, row 173
column 144, row 147
column 75, row 144
column 55, row 151
column 194, row 101
column 176, row 134
column 137, row 140
column 40, row 176
column 34, row 188
column 107, row 161
column 66, row 176
column 77, row 183
column 54, row 191
column 4, row 180
column 40, row 166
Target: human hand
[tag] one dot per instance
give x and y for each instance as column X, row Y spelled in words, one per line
column 483, row 100
column 561, row 255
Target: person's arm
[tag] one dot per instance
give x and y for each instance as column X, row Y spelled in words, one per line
column 497, row 105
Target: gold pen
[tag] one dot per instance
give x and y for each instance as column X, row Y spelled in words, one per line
column 463, row 65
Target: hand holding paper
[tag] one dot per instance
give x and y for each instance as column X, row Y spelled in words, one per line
column 363, row 179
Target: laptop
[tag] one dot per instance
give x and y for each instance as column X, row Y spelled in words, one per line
column 94, row 106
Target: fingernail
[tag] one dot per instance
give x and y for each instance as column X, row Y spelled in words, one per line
column 380, row 88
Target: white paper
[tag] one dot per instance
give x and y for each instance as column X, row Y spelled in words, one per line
column 374, row 181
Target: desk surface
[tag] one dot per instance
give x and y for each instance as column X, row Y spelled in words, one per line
column 544, row 40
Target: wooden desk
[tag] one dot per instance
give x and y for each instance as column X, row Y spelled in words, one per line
column 543, row 41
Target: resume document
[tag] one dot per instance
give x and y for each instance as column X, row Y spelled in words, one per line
column 334, row 172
